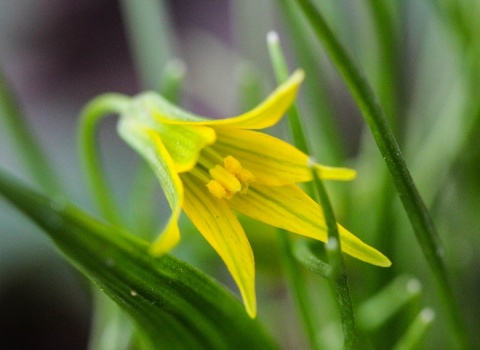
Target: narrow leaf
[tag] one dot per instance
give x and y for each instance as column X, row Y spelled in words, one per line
column 175, row 305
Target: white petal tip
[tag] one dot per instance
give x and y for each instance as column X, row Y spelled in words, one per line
column 272, row 37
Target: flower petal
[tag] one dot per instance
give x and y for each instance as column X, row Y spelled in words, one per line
column 274, row 162
column 268, row 113
column 183, row 142
column 333, row 173
column 149, row 144
column 288, row 207
column 220, row 227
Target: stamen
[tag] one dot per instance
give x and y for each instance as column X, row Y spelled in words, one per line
column 226, row 179
column 243, row 175
column 217, row 190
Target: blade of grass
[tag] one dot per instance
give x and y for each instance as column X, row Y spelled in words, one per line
column 413, row 204
column 28, row 148
column 177, row 306
column 339, row 274
column 415, row 333
column 330, row 146
column 148, row 28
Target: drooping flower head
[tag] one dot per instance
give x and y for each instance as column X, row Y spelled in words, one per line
column 211, row 168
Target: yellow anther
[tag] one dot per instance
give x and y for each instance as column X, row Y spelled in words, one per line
column 232, row 165
column 217, row 190
column 243, row 175
column 226, row 179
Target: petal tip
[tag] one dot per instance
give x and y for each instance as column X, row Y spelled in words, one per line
column 298, row 75
column 386, row 262
column 167, row 240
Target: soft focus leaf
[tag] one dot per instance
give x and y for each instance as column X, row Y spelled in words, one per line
column 176, row 306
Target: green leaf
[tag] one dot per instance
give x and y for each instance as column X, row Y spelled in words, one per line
column 176, row 306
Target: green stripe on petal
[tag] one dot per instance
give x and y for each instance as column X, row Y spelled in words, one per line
column 220, row 227
column 184, row 143
column 288, row 207
column 149, row 144
column 274, row 162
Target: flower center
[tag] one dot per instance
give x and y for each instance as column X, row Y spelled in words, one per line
column 229, row 179
column 227, row 176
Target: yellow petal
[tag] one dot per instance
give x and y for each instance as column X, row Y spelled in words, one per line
column 288, row 207
column 272, row 161
column 149, row 144
column 220, row 227
column 268, row 113
column 333, row 173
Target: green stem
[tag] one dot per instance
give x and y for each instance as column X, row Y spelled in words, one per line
column 412, row 202
column 339, row 275
column 388, row 42
column 297, row 286
column 91, row 115
column 28, row 148
column 328, row 142
column 303, row 252
column 148, row 29
column 339, row 272
column 416, row 331
column 292, row 269
column 281, row 73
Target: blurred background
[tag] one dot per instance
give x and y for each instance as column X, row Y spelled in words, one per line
column 421, row 60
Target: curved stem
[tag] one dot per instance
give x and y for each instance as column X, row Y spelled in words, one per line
column 91, row 115
column 413, row 204
column 297, row 286
column 339, row 274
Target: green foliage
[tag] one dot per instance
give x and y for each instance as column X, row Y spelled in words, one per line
column 175, row 305
column 410, row 68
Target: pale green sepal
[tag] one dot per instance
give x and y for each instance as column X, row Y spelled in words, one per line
column 183, row 142
column 164, row 111
column 149, row 144
column 266, row 114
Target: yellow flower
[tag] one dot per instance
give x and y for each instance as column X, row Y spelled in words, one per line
column 211, row 168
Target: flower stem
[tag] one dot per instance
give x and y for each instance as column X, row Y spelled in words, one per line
column 339, row 274
column 297, row 284
column 328, row 141
column 149, row 34
column 91, row 115
column 412, row 202
column 29, row 150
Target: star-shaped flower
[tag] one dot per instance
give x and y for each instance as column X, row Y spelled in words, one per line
column 211, row 168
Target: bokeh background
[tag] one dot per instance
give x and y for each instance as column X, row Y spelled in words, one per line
column 57, row 55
